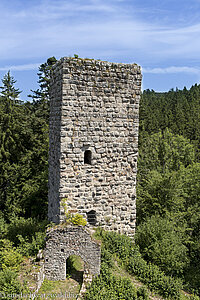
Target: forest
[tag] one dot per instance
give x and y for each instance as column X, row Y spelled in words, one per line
column 166, row 252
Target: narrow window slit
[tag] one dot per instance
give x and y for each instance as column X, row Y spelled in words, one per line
column 91, row 217
column 88, row 157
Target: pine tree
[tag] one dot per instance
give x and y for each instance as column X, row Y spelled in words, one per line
column 41, row 96
column 10, row 143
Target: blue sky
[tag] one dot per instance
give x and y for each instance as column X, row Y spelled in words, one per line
column 162, row 36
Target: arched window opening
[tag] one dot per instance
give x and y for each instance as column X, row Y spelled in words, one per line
column 75, row 268
column 88, row 157
column 91, row 217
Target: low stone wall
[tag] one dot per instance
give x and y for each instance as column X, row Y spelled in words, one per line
column 87, row 280
column 40, row 277
column 62, row 242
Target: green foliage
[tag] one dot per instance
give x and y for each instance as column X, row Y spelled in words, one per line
column 192, row 278
column 122, row 245
column 25, row 228
column 148, row 273
column 10, row 258
column 194, row 297
column 23, row 179
column 47, row 285
column 163, row 161
column 23, row 156
column 78, row 219
column 72, row 218
column 9, row 283
column 168, row 182
column 75, row 219
column 142, row 293
column 177, row 110
column 165, row 151
column 108, row 286
column 3, row 226
column 10, row 137
column 161, row 241
column 156, row 280
column 27, row 234
column 31, row 248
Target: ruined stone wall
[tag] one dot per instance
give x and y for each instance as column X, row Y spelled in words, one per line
column 94, row 142
column 62, row 242
column 55, row 146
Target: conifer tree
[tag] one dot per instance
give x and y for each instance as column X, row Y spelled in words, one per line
column 10, row 143
column 41, row 95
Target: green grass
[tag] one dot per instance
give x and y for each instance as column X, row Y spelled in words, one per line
column 62, row 287
column 70, row 286
column 75, row 264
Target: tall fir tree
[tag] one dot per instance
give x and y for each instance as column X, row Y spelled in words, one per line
column 41, row 95
column 10, row 143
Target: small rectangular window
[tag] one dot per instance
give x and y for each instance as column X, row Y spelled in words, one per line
column 91, row 217
column 88, row 157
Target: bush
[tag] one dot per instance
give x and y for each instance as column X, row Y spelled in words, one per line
column 27, row 234
column 78, row 219
column 27, row 248
column 27, row 228
column 162, row 243
column 3, row 226
column 110, row 287
column 154, row 278
column 130, row 256
column 71, row 218
column 10, row 258
column 142, row 293
column 9, row 284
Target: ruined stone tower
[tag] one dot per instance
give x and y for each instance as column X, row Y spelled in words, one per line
column 94, row 110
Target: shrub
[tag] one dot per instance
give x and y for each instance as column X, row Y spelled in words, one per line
column 9, row 283
column 27, row 228
column 78, row 219
column 31, row 248
column 130, row 256
column 28, row 235
column 10, row 258
column 154, row 278
column 70, row 217
column 162, row 243
column 3, row 226
column 110, row 287
column 142, row 293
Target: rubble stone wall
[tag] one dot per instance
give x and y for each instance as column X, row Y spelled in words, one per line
column 94, row 119
column 61, row 243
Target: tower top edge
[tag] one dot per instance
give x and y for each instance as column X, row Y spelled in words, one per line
column 91, row 62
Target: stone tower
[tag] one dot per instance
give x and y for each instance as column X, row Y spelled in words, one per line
column 94, row 119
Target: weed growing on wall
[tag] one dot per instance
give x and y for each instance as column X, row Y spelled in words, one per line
column 72, row 218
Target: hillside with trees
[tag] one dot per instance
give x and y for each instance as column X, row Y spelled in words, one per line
column 168, row 189
column 166, row 253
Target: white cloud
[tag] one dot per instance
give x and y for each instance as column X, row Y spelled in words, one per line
column 25, row 67
column 172, row 69
column 51, row 10
column 92, row 28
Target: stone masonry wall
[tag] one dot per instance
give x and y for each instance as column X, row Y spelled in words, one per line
column 54, row 147
column 94, row 112
column 62, row 242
